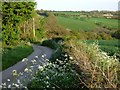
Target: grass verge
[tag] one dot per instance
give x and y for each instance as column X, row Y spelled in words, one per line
column 11, row 56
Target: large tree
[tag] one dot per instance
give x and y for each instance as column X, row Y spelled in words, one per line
column 14, row 13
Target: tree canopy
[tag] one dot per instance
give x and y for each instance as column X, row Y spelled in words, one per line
column 12, row 14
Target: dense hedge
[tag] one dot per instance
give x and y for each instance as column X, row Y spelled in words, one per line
column 54, row 44
column 12, row 14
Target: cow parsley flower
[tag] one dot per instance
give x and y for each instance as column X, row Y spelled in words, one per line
column 26, row 70
column 66, row 55
column 36, row 57
column 20, row 73
column 14, row 73
column 71, row 58
column 18, row 81
column 44, row 55
column 40, row 68
column 8, row 80
column 9, row 86
column 17, row 85
column 47, row 77
column 4, row 84
column 33, row 61
column 24, row 60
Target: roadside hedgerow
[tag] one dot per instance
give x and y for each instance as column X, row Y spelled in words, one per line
column 96, row 69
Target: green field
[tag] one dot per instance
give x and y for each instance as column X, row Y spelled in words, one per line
column 87, row 24
column 64, row 12
column 109, row 46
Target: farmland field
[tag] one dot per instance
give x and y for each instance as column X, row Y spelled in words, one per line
column 73, row 21
column 87, row 24
column 75, row 24
column 64, row 12
column 109, row 46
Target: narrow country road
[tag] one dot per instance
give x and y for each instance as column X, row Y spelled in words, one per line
column 25, row 78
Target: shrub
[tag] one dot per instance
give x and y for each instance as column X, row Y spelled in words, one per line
column 50, row 43
column 96, row 69
column 55, row 76
column 54, row 44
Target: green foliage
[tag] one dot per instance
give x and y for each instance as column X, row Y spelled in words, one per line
column 116, row 34
column 12, row 14
column 56, row 75
column 50, row 43
column 10, row 35
column 95, row 67
column 12, row 55
column 109, row 46
column 54, row 44
column 40, row 32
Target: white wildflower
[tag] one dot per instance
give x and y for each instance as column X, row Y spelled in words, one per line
column 47, row 82
column 33, row 61
column 31, row 66
column 53, row 65
column 50, row 63
column 0, row 87
column 66, row 59
column 104, row 53
column 40, row 68
column 8, row 80
column 17, row 85
column 9, row 86
column 47, row 86
column 21, row 85
column 26, row 70
column 65, row 55
column 14, row 72
column 53, row 87
column 26, row 88
column 24, row 60
column 20, row 73
column 18, row 81
column 36, row 56
column 71, row 58
column 77, row 63
column 30, row 70
column 47, row 77
column 13, row 84
column 43, row 55
column 4, row 84
column 47, row 60
column 57, row 60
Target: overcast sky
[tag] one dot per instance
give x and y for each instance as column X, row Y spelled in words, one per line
column 77, row 5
